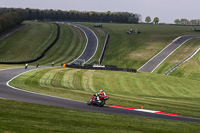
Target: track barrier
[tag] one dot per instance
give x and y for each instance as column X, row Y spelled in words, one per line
column 104, row 49
column 106, row 67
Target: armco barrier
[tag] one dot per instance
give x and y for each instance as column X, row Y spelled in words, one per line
column 104, row 49
column 187, row 58
column 43, row 53
column 102, row 68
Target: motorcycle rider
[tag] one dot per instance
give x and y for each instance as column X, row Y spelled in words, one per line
column 101, row 93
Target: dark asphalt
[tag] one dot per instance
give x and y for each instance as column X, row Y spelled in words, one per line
column 152, row 64
column 24, row 96
column 91, row 46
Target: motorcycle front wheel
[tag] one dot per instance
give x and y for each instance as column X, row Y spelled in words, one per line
column 100, row 104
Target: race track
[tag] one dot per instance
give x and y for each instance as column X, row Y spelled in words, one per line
column 153, row 63
column 91, row 45
column 8, row 92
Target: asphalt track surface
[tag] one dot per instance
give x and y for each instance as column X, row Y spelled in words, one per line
column 8, row 92
column 153, row 63
column 91, row 46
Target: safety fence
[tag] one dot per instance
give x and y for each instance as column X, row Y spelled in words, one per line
column 106, row 67
column 104, row 49
column 187, row 58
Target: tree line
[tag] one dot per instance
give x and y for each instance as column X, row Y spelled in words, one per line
column 194, row 22
column 10, row 18
column 73, row 15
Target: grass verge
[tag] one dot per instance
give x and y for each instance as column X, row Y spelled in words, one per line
column 189, row 69
column 152, row 91
column 32, row 118
column 70, row 45
column 27, row 43
column 8, row 66
column 133, row 50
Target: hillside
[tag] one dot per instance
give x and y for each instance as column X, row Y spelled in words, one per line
column 189, row 69
column 69, row 46
column 27, row 43
column 30, row 42
column 133, row 50
column 150, row 91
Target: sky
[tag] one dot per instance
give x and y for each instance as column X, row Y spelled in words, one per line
column 166, row 10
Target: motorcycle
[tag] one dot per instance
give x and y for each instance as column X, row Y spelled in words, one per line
column 100, row 102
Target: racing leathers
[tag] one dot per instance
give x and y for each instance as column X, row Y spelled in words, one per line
column 100, row 94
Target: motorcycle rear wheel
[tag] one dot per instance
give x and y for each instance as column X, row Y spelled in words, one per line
column 89, row 102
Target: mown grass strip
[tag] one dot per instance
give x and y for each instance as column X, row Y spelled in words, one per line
column 69, row 46
column 33, row 118
column 184, row 51
column 8, row 66
column 134, row 50
column 189, row 69
column 20, row 45
column 173, row 95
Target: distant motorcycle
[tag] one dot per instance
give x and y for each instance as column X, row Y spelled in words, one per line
column 94, row 101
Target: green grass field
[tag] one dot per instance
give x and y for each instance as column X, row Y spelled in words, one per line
column 27, row 43
column 184, row 51
column 190, row 69
column 152, row 91
column 124, row 50
column 133, row 50
column 30, row 42
column 8, row 66
column 179, row 95
column 18, row 117
column 70, row 45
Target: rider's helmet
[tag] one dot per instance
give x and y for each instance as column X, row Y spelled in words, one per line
column 101, row 93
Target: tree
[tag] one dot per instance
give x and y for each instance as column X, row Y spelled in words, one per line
column 108, row 12
column 184, row 21
column 10, row 18
column 148, row 19
column 156, row 20
column 177, row 21
column 193, row 22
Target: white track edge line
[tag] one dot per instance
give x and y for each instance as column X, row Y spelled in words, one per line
column 159, row 52
column 145, row 110
column 36, row 92
column 85, row 45
column 97, row 44
column 183, row 61
column 170, row 54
